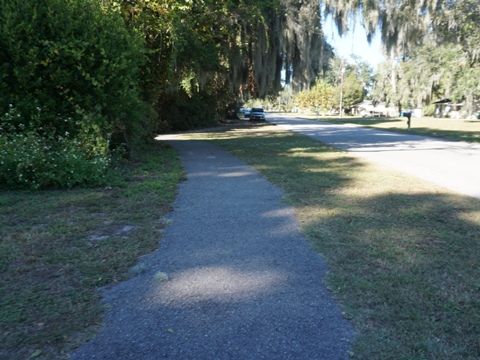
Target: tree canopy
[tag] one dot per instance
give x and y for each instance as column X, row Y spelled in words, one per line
column 403, row 24
column 433, row 46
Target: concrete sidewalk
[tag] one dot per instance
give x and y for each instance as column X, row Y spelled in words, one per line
column 453, row 165
column 242, row 282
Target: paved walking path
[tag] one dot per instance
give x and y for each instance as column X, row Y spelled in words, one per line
column 243, row 283
column 453, row 165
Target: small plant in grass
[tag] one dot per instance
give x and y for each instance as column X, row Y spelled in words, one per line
column 34, row 159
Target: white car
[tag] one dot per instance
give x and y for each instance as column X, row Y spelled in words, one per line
column 257, row 114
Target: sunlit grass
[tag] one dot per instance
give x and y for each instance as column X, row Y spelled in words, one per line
column 402, row 253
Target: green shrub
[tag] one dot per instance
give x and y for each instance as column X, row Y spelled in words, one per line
column 69, row 65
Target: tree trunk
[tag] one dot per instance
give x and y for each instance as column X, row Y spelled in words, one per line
column 231, row 111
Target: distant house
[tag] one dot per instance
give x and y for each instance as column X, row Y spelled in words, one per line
column 447, row 108
column 369, row 108
column 417, row 112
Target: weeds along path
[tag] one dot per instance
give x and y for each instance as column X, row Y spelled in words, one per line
column 232, row 279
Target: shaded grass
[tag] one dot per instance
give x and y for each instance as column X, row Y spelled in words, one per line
column 447, row 129
column 58, row 248
column 402, row 253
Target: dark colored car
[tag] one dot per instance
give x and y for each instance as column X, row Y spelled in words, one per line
column 257, row 114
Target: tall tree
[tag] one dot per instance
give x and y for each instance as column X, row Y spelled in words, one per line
column 404, row 24
column 351, row 91
column 224, row 49
column 319, row 97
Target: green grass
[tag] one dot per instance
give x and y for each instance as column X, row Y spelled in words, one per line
column 58, row 248
column 402, row 253
column 448, row 129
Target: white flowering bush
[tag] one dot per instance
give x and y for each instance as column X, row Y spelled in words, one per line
column 31, row 160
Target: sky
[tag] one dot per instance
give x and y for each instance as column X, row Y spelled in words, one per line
column 354, row 42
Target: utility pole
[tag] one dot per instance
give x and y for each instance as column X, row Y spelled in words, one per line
column 341, row 89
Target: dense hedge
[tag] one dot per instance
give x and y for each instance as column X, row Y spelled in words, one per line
column 69, row 70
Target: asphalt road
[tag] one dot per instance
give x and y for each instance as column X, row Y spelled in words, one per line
column 452, row 165
column 242, row 282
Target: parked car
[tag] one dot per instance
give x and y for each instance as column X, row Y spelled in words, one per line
column 257, row 114
column 246, row 112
